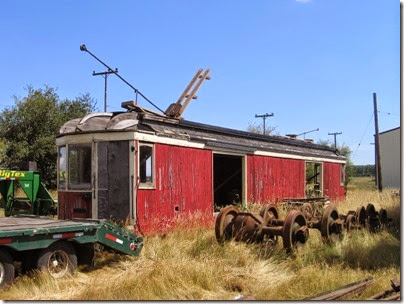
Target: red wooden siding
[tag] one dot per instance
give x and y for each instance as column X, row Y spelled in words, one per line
column 74, row 205
column 270, row 179
column 332, row 181
column 183, row 180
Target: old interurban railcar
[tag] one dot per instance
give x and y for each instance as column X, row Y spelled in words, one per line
column 148, row 169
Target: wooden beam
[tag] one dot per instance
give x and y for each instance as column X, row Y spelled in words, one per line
column 345, row 290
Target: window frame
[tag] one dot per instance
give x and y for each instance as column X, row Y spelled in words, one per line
column 343, row 174
column 147, row 185
column 321, row 164
column 79, row 188
column 58, row 168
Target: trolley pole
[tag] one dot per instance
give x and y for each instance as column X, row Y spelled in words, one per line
column 105, row 75
column 335, row 138
column 264, row 117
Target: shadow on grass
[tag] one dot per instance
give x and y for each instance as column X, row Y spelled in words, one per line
column 383, row 254
column 394, row 226
column 102, row 259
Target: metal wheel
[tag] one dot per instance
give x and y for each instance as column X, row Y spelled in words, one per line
column 295, row 231
column 330, row 228
column 361, row 216
column 383, row 216
column 307, row 210
column 58, row 259
column 370, row 210
column 223, row 224
column 268, row 213
column 7, row 269
column 350, row 222
column 374, row 224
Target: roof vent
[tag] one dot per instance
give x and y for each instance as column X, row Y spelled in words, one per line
column 129, row 105
column 292, row 136
column 309, row 140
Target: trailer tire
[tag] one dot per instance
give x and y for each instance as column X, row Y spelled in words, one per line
column 7, row 269
column 58, row 259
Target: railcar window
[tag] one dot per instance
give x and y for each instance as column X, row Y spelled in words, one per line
column 62, row 168
column 146, row 163
column 80, row 167
column 314, row 179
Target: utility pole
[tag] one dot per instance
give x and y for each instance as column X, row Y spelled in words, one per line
column 335, row 138
column 264, row 117
column 377, row 147
column 83, row 48
column 105, row 75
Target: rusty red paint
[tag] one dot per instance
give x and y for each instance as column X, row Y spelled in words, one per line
column 183, row 186
column 332, row 187
column 271, row 179
column 74, row 205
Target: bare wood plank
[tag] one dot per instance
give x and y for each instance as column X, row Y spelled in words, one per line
column 393, row 297
column 356, row 287
column 381, row 294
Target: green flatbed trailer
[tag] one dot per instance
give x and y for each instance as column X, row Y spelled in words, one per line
column 57, row 246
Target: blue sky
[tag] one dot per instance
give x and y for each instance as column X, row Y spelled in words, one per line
column 314, row 64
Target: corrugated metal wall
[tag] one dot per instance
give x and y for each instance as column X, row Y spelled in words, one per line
column 270, row 179
column 183, row 185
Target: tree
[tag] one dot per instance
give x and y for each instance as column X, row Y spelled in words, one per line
column 28, row 130
column 258, row 128
column 343, row 150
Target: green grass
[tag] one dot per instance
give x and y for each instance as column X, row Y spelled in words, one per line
column 191, row 265
column 362, row 183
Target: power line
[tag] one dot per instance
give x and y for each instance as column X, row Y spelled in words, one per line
column 387, row 113
column 363, row 134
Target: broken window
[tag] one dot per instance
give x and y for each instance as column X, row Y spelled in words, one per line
column 343, row 175
column 80, row 167
column 314, row 178
column 62, row 168
column 146, row 165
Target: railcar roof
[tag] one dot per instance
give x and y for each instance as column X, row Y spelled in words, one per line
column 143, row 120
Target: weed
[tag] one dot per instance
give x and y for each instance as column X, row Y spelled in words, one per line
column 188, row 264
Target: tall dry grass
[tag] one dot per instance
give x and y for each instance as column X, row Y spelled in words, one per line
column 191, row 265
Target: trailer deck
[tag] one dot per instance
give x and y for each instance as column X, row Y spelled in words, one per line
column 58, row 245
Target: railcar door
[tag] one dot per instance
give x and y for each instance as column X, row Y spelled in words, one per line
column 113, row 180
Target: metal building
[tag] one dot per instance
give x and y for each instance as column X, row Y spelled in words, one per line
column 390, row 144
